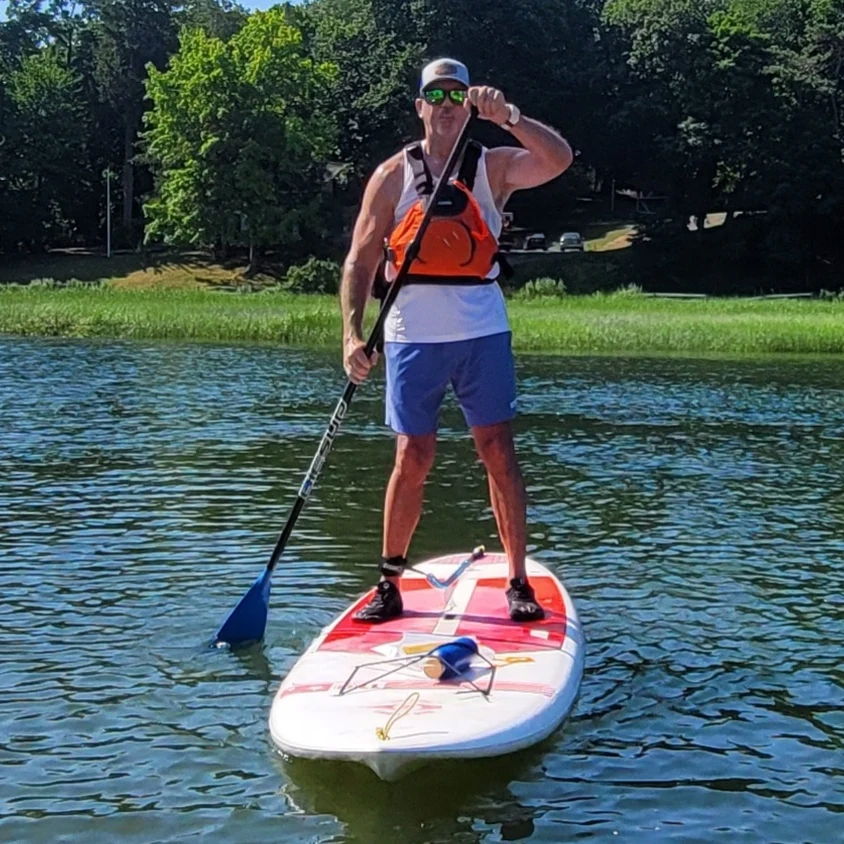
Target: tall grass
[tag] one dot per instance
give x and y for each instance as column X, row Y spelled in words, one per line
column 626, row 322
column 165, row 313
column 604, row 324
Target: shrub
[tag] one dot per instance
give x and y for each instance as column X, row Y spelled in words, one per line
column 831, row 294
column 628, row 290
column 585, row 272
column 540, row 288
column 316, row 275
column 59, row 284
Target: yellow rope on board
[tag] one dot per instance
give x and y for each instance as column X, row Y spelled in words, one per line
column 403, row 709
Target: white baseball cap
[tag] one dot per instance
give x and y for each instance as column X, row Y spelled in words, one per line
column 440, row 69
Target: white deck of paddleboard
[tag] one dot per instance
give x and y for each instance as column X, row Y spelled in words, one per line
column 396, row 722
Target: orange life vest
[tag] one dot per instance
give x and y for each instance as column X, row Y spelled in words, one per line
column 457, row 247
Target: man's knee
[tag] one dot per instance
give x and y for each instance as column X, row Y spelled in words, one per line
column 415, row 456
column 494, row 444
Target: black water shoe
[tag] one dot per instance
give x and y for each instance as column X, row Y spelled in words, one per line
column 385, row 604
column 522, row 601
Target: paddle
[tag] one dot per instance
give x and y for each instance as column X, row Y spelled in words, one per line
column 248, row 620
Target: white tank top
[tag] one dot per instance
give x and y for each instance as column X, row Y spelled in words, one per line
column 444, row 313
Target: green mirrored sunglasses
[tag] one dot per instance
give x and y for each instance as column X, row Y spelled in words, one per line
column 437, row 96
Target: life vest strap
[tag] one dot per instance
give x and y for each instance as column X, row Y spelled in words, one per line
column 469, row 166
column 423, row 181
column 464, row 280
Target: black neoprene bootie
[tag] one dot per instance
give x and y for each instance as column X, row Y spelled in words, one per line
column 522, row 601
column 386, row 603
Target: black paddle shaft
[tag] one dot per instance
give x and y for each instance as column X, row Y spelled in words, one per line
column 342, row 407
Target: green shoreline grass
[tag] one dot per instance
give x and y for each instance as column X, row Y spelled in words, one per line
column 601, row 324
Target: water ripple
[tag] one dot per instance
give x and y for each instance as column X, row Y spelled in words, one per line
column 693, row 507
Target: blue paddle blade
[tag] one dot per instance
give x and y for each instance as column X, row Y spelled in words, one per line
column 248, row 620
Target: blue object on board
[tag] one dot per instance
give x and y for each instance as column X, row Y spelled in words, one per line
column 453, row 657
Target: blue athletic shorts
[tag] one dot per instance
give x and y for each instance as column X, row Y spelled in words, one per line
column 480, row 371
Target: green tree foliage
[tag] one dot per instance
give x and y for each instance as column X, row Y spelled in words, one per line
column 377, row 51
column 738, row 102
column 718, row 105
column 238, row 138
column 129, row 37
column 315, row 275
column 806, row 198
column 220, row 18
column 545, row 56
column 42, row 136
column 672, row 50
column 28, row 27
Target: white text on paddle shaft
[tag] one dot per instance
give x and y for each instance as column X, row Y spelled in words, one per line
column 324, row 447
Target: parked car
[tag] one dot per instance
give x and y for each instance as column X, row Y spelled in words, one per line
column 572, row 242
column 535, row 241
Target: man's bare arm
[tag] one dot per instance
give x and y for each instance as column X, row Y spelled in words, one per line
column 374, row 222
column 544, row 156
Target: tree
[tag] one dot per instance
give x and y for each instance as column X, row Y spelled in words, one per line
column 43, row 127
column 378, row 51
column 545, row 57
column 807, row 69
column 221, row 18
column 238, row 138
column 130, row 36
column 738, row 100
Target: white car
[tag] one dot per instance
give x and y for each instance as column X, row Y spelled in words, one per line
column 535, row 241
column 572, row 242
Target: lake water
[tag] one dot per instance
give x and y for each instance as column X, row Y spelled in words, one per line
column 695, row 509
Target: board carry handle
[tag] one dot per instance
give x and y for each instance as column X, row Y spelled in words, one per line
column 476, row 554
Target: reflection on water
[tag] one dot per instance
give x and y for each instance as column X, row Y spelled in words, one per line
column 694, row 509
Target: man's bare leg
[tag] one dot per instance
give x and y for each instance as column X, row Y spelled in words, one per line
column 403, row 500
column 494, row 444
column 402, row 509
column 495, row 447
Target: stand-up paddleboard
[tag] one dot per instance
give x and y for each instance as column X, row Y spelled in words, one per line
column 372, row 693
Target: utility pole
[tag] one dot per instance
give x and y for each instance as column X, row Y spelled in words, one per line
column 107, row 174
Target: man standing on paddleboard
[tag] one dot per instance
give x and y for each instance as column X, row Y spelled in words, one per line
column 448, row 324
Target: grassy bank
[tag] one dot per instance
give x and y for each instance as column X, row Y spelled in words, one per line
column 629, row 323
column 172, row 269
column 603, row 324
column 192, row 314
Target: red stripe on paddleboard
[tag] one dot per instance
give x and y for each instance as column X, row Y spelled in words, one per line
column 303, row 689
column 485, row 617
column 420, row 685
column 423, row 606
